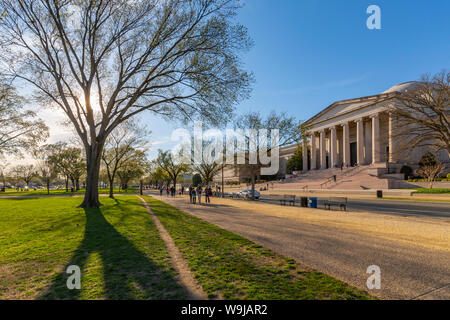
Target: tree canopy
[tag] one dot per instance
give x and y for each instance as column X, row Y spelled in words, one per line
column 18, row 127
column 423, row 114
column 103, row 62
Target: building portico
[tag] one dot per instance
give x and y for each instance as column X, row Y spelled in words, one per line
column 349, row 142
column 358, row 132
column 351, row 132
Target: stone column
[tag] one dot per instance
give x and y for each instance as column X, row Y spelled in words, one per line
column 376, row 154
column 360, row 141
column 346, row 144
column 333, row 146
column 391, row 138
column 323, row 153
column 305, row 154
column 313, row 151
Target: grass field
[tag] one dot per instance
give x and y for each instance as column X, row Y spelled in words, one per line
column 122, row 256
column 232, row 267
column 414, row 199
column 434, row 190
column 117, row 247
column 43, row 192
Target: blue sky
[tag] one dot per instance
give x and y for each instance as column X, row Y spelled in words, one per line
column 310, row 53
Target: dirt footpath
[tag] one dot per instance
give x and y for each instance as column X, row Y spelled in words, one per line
column 412, row 252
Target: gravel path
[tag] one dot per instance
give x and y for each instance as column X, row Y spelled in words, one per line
column 185, row 275
column 413, row 253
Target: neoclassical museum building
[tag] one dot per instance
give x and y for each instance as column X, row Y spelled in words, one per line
column 360, row 131
column 352, row 134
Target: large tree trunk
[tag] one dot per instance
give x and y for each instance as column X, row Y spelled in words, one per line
column 48, row 186
column 253, row 183
column 111, row 187
column 175, row 185
column 93, row 158
column 223, row 184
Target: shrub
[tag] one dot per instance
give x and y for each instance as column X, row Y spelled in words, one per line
column 196, row 180
column 407, row 171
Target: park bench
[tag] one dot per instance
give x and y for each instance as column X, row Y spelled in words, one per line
column 289, row 199
column 340, row 202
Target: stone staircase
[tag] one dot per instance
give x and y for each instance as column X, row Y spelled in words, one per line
column 366, row 177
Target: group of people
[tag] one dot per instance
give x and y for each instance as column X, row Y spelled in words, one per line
column 169, row 191
column 196, row 193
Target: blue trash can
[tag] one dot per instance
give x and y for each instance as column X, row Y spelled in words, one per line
column 313, row 203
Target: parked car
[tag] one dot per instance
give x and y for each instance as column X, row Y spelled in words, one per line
column 247, row 194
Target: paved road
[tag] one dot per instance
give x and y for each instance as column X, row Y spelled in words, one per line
column 408, row 271
column 397, row 207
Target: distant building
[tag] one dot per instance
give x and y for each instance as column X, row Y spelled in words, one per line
column 239, row 173
column 359, row 131
column 348, row 133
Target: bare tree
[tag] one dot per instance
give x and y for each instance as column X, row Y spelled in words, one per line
column 69, row 162
column 18, row 128
column 159, row 176
column 46, row 172
column 171, row 165
column 423, row 115
column 103, row 62
column 207, row 170
column 290, row 132
column 134, row 168
column 3, row 167
column 430, row 168
column 208, row 165
column 24, row 173
column 120, row 147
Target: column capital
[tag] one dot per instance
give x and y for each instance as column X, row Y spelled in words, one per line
column 358, row 120
column 376, row 115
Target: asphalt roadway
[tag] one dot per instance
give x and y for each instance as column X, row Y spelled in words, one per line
column 408, row 271
column 396, row 207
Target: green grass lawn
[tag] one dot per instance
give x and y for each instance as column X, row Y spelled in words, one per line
column 117, row 247
column 122, row 256
column 434, row 190
column 14, row 192
column 414, row 199
column 232, row 267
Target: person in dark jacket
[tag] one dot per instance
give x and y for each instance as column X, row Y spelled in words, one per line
column 207, row 194
column 194, row 195
column 190, row 194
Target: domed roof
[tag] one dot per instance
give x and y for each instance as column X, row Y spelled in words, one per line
column 402, row 87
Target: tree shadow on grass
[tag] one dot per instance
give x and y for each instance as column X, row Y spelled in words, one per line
column 127, row 272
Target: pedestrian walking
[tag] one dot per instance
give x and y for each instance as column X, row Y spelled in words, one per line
column 199, row 194
column 193, row 196
column 207, row 194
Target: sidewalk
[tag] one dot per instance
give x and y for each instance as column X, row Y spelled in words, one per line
column 413, row 253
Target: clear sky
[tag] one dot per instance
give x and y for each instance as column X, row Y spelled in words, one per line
column 310, row 53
